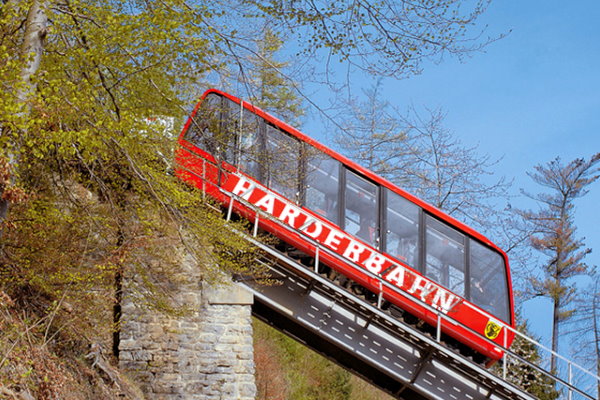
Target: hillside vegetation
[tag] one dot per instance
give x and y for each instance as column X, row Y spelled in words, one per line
column 42, row 361
column 287, row 370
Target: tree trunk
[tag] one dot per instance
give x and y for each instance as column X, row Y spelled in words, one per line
column 555, row 333
column 31, row 56
column 596, row 336
column 32, row 47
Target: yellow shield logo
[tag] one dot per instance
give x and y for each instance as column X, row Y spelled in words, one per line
column 492, row 330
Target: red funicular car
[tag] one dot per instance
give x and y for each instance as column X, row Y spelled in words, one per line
column 372, row 229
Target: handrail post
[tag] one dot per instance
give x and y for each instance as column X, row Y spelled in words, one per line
column 238, row 148
column 203, row 179
column 570, row 397
column 317, row 259
column 230, row 208
column 380, row 297
column 439, row 327
column 505, row 358
column 255, row 231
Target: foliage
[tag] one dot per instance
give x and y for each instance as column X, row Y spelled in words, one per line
column 270, row 89
column 324, row 381
column 88, row 164
column 33, row 366
column 390, row 38
column 553, row 228
column 286, row 370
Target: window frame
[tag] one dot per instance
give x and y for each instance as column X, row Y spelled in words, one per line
column 465, row 256
column 376, row 241
column 339, row 198
column 385, row 202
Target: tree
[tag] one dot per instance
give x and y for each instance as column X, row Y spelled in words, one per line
column 28, row 62
column 390, row 38
column 269, row 88
column 553, row 228
column 585, row 327
column 386, row 38
column 305, row 374
column 452, row 176
column 423, row 157
column 372, row 134
column 76, row 138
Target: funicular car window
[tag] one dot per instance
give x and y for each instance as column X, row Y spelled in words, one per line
column 249, row 145
column 281, row 162
column 205, row 126
column 402, row 228
column 445, row 255
column 231, row 126
column 360, row 216
column 214, row 127
column 322, row 185
column 489, row 288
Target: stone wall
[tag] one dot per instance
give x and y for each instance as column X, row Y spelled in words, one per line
column 206, row 353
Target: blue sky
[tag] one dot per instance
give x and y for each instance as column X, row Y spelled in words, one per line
column 531, row 96
column 528, row 98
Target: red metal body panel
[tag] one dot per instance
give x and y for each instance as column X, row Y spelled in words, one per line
column 199, row 168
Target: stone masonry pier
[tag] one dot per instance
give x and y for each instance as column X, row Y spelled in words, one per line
column 206, row 353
